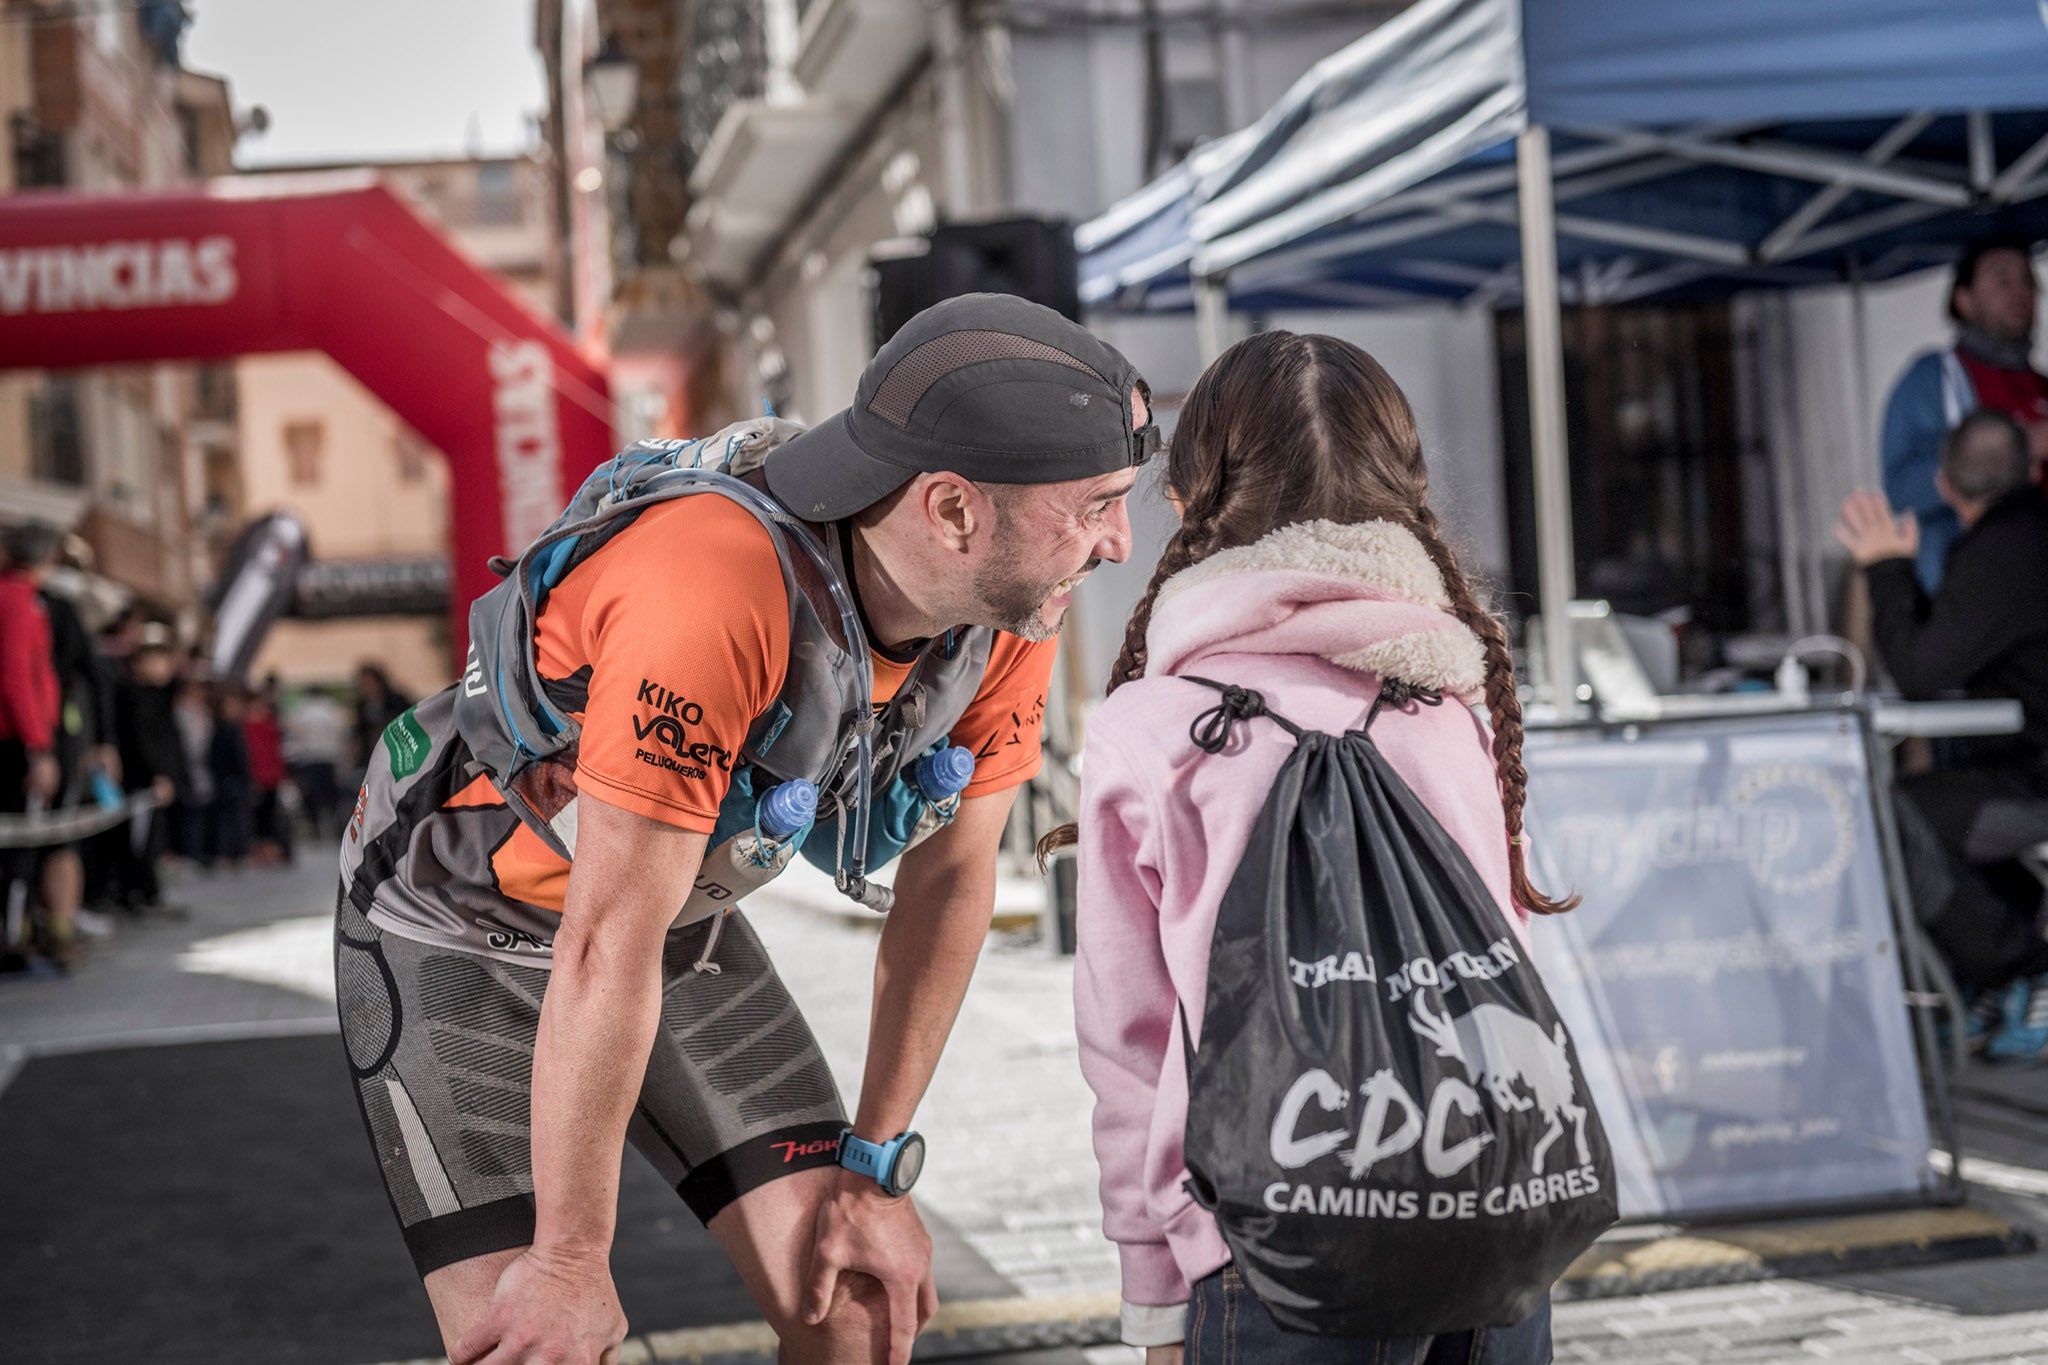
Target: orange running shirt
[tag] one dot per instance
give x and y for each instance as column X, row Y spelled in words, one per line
column 681, row 624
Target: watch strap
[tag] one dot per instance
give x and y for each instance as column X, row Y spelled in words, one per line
column 871, row 1159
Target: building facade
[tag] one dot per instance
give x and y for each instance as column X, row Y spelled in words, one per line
column 138, row 460
column 810, row 137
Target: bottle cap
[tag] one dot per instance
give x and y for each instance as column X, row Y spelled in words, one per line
column 944, row 772
column 788, row 808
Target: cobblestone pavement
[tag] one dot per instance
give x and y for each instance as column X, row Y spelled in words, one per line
column 1007, row 1119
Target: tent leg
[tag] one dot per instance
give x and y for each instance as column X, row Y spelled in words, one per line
column 1544, row 334
column 1212, row 315
column 1859, row 325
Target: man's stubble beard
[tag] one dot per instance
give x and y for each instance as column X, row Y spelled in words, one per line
column 1014, row 608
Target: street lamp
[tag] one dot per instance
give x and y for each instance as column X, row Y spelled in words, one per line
column 613, row 79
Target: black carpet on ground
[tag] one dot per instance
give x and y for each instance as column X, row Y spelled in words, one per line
column 218, row 1204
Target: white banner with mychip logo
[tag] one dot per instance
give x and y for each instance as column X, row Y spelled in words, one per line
column 1732, row 980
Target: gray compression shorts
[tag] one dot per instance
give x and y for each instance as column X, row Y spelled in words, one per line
column 440, row 1043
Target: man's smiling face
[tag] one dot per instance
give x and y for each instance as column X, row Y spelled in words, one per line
column 1047, row 538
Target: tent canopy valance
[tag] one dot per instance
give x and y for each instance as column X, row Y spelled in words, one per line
column 1697, row 148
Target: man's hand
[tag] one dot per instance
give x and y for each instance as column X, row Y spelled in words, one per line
column 548, row 1310
column 860, row 1230
column 44, row 777
column 1870, row 533
column 1164, row 1355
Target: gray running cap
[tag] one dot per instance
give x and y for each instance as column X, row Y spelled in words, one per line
column 987, row 386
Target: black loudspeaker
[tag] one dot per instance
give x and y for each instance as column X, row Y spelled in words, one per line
column 1032, row 258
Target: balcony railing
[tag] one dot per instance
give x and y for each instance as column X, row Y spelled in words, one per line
column 727, row 63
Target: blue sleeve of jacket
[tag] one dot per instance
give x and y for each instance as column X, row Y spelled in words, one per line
column 1915, row 420
column 1914, row 423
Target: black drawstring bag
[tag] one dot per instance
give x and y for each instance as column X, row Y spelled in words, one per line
column 1385, row 1115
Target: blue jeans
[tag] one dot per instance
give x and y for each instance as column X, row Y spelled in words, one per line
column 1227, row 1325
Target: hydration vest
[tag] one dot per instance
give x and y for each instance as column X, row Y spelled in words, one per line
column 821, row 727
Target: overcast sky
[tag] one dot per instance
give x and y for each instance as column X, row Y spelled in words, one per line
column 373, row 79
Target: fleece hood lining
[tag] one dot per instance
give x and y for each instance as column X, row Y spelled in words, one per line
column 1375, row 562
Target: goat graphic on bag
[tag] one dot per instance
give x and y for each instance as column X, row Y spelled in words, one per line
column 1498, row 1048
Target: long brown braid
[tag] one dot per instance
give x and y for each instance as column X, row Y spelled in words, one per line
column 1188, row 546
column 1503, row 709
column 1284, row 429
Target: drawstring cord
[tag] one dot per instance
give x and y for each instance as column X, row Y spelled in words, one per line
column 1211, row 730
column 1398, row 694
column 704, row 963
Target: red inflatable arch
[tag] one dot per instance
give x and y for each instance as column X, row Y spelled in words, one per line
column 339, row 265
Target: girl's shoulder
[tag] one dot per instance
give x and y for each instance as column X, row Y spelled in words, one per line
column 1157, row 701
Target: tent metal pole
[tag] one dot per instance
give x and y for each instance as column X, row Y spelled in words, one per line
column 1543, row 327
column 1859, row 326
column 1212, row 315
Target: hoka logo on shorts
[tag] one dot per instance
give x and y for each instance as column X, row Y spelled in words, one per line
column 792, row 1150
column 668, row 729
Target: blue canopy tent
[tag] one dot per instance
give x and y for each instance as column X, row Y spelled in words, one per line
column 1492, row 152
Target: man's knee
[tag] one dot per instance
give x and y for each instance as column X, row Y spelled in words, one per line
column 461, row 1292
column 855, row 1331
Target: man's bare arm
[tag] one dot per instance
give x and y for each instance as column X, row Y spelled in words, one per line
column 945, row 896
column 597, row 1027
column 597, row 1024
column 945, row 893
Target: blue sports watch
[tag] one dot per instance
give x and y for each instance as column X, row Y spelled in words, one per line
column 894, row 1165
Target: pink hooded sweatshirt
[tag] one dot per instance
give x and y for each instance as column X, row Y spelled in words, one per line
column 1313, row 616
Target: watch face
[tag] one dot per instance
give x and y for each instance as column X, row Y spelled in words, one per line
column 909, row 1162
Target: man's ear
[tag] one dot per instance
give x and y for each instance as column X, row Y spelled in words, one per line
column 953, row 508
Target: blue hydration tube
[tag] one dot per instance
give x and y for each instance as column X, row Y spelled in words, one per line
column 643, row 478
column 852, row 875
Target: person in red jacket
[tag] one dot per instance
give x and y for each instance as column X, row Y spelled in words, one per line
column 29, row 702
column 268, row 773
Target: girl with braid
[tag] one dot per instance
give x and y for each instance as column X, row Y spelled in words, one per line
column 1310, row 568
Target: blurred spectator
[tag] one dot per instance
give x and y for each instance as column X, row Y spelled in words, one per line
column 121, row 637
column 1984, row 633
column 30, row 702
column 86, row 753
column 191, row 817
column 1992, row 302
column 378, row 703
column 315, row 738
column 267, row 774
column 232, row 817
column 152, row 760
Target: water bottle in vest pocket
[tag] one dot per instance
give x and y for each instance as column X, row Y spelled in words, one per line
column 1386, row 1115
column 922, row 799
column 749, row 856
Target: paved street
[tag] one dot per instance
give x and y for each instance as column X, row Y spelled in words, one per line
column 1011, row 1170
